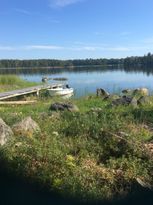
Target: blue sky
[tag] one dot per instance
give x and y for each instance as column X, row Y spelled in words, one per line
column 71, row 29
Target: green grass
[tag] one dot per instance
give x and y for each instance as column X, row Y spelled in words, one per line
column 80, row 154
column 10, row 82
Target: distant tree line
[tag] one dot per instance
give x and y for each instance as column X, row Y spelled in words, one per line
column 129, row 62
column 6, row 63
column 145, row 61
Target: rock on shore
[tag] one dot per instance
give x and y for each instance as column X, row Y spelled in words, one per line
column 5, row 132
column 26, row 127
column 59, row 106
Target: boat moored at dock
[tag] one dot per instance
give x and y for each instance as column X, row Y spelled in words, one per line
column 60, row 90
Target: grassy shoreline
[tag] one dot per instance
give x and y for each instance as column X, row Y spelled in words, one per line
column 12, row 82
column 90, row 154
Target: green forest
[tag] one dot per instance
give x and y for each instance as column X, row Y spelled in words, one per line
column 143, row 61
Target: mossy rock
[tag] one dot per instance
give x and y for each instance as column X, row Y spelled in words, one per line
column 27, row 127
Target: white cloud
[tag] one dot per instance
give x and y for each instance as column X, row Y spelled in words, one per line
column 22, row 11
column 118, row 48
column 30, row 47
column 83, row 47
column 89, row 48
column 99, row 48
column 63, row 3
column 42, row 47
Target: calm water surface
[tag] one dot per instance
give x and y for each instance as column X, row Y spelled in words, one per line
column 86, row 81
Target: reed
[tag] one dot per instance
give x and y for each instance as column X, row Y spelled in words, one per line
column 10, row 82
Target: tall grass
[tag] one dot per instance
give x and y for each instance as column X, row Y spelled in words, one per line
column 10, row 82
column 77, row 154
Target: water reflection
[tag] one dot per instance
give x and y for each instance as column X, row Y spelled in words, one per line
column 80, row 69
column 86, row 80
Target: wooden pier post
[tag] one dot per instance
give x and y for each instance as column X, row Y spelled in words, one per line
column 37, row 93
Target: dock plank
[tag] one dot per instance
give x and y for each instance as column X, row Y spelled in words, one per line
column 24, row 91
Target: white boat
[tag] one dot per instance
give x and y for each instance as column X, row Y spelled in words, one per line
column 60, row 90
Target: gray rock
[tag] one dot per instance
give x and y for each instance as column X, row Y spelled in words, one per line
column 102, row 93
column 26, row 127
column 141, row 91
column 143, row 100
column 111, row 97
column 73, row 108
column 64, row 106
column 5, row 132
column 125, row 101
column 134, row 102
column 122, row 101
column 126, row 91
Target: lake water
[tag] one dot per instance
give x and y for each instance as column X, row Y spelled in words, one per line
column 86, row 80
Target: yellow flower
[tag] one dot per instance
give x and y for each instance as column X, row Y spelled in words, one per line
column 70, row 158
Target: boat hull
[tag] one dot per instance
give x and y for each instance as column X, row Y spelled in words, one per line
column 60, row 91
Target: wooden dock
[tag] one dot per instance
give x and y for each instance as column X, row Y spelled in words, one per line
column 25, row 91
